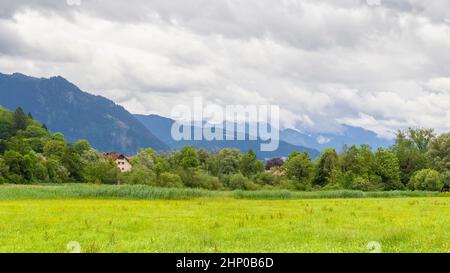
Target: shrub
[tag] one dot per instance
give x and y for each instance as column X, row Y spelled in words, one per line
column 199, row 179
column 102, row 172
column 446, row 179
column 15, row 179
column 3, row 170
column 206, row 181
column 169, row 180
column 14, row 161
column 138, row 176
column 265, row 178
column 426, row 180
column 286, row 184
column 240, row 182
column 352, row 181
column 40, row 172
column 57, row 173
column 367, row 184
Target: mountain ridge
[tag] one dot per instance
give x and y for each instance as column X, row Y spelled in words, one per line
column 164, row 126
column 349, row 135
column 65, row 108
column 319, row 141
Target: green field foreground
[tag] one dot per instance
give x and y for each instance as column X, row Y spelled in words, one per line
column 221, row 224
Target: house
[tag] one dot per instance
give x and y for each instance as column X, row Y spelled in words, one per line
column 123, row 162
column 277, row 172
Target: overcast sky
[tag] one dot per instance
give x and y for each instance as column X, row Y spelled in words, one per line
column 378, row 64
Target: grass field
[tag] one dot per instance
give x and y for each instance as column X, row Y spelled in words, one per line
column 36, row 219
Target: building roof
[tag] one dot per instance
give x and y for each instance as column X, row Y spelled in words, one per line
column 114, row 156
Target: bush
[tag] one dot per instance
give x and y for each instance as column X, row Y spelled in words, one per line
column 207, row 181
column 138, row 176
column 240, row 182
column 446, row 179
column 15, row 179
column 3, row 170
column 40, row 172
column 57, row 173
column 426, row 180
column 169, row 180
column 199, row 179
column 102, row 172
column 265, row 178
column 367, row 184
column 285, row 184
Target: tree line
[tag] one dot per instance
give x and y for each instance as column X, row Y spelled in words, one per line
column 418, row 160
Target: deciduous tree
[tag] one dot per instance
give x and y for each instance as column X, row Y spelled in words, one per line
column 327, row 166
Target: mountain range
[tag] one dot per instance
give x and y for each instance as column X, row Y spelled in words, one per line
column 161, row 128
column 348, row 135
column 64, row 108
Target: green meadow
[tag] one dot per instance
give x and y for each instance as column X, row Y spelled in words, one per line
column 143, row 219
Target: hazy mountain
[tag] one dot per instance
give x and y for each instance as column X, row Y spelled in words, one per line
column 64, row 108
column 348, row 136
column 161, row 128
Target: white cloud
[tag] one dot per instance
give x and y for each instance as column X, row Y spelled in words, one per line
column 324, row 62
column 73, row 2
column 322, row 140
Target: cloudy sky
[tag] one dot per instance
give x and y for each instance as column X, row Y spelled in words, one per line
column 378, row 64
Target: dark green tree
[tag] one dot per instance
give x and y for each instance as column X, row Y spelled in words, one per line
column 55, row 148
column 228, row 161
column 16, row 165
column 20, row 119
column 81, row 146
column 4, row 169
column 421, row 138
column 188, row 158
column 359, row 161
column 300, row 168
column 439, row 153
column 57, row 173
column 249, row 165
column 388, row 169
column 411, row 159
column 327, row 167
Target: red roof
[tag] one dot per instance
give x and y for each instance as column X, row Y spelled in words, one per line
column 114, row 156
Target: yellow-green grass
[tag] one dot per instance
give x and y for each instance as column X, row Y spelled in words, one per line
column 225, row 224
